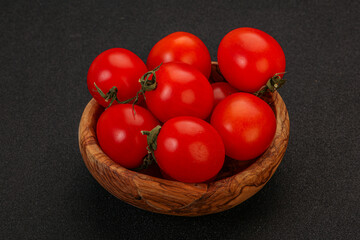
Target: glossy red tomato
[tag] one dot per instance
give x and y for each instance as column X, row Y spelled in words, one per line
column 181, row 47
column 119, row 133
column 221, row 90
column 189, row 150
column 246, row 124
column 248, row 58
column 181, row 91
column 115, row 67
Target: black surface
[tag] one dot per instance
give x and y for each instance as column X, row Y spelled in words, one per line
column 45, row 51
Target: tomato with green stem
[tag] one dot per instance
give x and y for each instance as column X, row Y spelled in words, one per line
column 178, row 89
column 248, row 58
column 113, row 76
column 187, row 149
column 119, row 133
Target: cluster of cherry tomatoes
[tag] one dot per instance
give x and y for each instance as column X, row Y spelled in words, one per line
column 168, row 111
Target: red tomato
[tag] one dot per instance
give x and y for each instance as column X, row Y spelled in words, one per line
column 115, row 67
column 248, row 58
column 119, row 133
column 189, row 150
column 181, row 47
column 246, row 124
column 181, row 90
column 221, row 90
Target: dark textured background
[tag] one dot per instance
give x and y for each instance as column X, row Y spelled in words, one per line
column 45, row 51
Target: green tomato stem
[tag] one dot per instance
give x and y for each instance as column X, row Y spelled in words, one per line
column 146, row 85
column 152, row 144
column 271, row 85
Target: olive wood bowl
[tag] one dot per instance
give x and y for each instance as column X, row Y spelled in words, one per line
column 236, row 182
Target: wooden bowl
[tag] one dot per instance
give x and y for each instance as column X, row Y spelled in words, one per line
column 236, row 182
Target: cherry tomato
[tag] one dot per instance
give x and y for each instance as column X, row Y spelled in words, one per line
column 181, row 90
column 181, row 47
column 119, row 133
column 115, row 67
column 189, row 150
column 248, row 58
column 221, row 90
column 246, row 124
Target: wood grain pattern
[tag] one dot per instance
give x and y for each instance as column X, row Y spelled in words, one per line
column 236, row 182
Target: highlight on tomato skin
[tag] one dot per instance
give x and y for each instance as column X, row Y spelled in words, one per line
column 249, row 57
column 189, row 150
column 246, row 124
column 181, row 47
column 221, row 90
column 115, row 67
column 119, row 135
